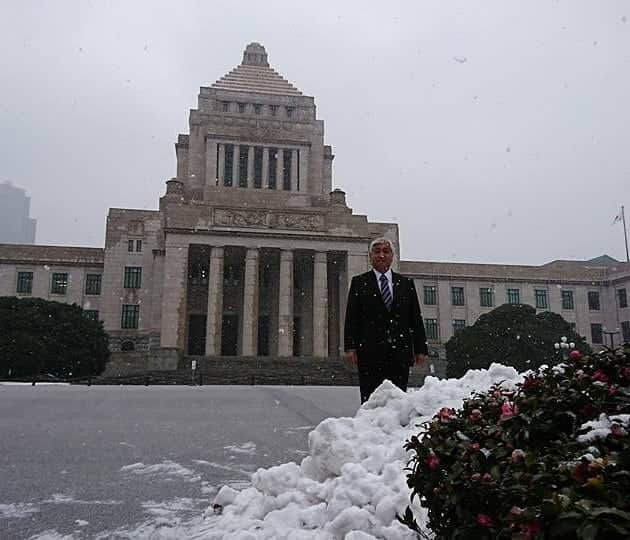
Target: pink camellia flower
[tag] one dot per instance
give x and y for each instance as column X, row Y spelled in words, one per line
column 445, row 414
column 475, row 477
column 533, row 529
column 432, row 461
column 484, row 520
column 575, row 355
column 617, row 430
column 599, row 375
column 508, row 410
column 487, row 477
column 518, row 455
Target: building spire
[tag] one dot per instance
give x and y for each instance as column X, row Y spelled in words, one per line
column 255, row 55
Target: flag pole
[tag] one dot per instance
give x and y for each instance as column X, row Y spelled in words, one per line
column 625, row 232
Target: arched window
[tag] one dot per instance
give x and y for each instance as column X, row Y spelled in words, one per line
column 127, row 346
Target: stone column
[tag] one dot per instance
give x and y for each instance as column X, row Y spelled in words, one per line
column 236, row 164
column 265, row 168
column 280, row 169
column 211, row 162
column 173, row 297
column 250, row 303
column 250, row 167
column 320, row 305
column 285, row 305
column 221, row 179
column 294, row 170
column 215, row 303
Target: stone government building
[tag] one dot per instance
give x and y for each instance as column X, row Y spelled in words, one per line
column 251, row 251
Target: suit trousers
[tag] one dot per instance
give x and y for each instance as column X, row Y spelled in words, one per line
column 372, row 375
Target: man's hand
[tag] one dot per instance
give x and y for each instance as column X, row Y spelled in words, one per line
column 351, row 357
column 420, row 359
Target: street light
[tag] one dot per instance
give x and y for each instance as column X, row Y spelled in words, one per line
column 564, row 346
column 610, row 333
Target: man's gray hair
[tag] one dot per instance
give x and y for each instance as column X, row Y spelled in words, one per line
column 382, row 240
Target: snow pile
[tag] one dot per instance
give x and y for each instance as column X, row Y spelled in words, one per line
column 352, row 483
column 604, row 426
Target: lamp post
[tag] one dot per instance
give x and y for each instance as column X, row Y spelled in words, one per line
column 564, row 347
column 610, row 334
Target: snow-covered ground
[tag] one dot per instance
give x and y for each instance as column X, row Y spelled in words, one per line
column 349, row 485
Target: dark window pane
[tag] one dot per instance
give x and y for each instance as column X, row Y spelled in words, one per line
column 130, row 315
column 622, row 297
column 273, row 164
column 431, row 327
column 129, row 245
column 243, row 162
column 596, row 333
column 133, row 277
column 541, row 298
column 91, row 314
column 514, row 296
column 227, row 169
column 625, row 331
column 25, row 282
column 567, row 300
column 593, row 301
column 258, row 168
column 486, row 297
column 59, row 284
column 430, row 295
column 93, row 284
column 458, row 324
column 457, row 296
column 286, row 171
column 138, row 245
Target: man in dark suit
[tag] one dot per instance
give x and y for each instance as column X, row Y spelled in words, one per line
column 384, row 333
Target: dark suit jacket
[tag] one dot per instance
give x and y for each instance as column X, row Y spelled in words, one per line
column 379, row 335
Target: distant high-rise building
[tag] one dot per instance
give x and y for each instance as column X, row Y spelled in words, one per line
column 16, row 227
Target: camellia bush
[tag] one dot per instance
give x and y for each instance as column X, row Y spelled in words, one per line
column 39, row 337
column 512, row 334
column 548, row 459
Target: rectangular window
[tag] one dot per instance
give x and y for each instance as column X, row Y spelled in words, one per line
column 273, row 110
column 541, row 298
column 93, row 284
column 243, row 162
column 133, row 277
column 273, row 165
column 486, row 297
column 257, row 108
column 25, row 282
column 625, row 331
column 622, row 298
column 286, row 171
column 91, row 314
column 225, row 106
column 596, row 333
column 457, row 296
column 130, row 316
column 59, row 284
column 514, row 296
column 258, row 168
column 567, row 300
column 228, row 162
column 134, row 245
column 289, row 112
column 593, row 301
column 430, row 295
column 241, row 107
column 458, row 324
column 431, row 327
column 130, row 245
column 138, row 246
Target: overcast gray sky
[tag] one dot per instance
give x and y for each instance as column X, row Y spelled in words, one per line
column 492, row 131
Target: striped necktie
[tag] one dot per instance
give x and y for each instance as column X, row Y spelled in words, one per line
column 385, row 292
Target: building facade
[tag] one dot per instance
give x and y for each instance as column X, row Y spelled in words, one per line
column 16, row 225
column 251, row 250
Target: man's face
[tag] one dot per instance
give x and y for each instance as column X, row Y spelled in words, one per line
column 381, row 257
